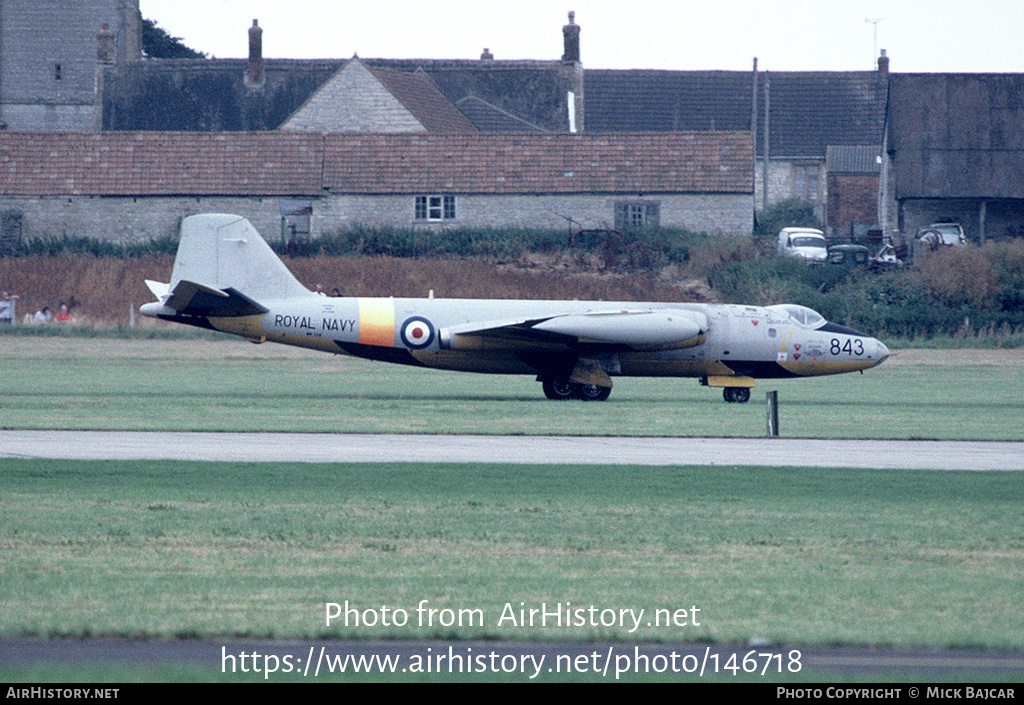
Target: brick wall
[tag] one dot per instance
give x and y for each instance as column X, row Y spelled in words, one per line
column 134, row 186
column 853, row 203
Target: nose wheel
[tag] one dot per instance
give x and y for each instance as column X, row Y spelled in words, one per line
column 736, row 395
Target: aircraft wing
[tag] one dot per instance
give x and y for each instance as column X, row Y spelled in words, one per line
column 646, row 328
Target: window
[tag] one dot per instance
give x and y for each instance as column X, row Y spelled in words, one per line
column 636, row 214
column 805, row 181
column 435, row 208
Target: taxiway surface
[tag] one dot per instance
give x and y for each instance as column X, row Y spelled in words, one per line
column 392, row 448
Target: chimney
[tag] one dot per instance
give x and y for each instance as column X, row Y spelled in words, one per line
column 254, row 76
column 487, row 55
column 106, row 46
column 883, row 67
column 571, row 35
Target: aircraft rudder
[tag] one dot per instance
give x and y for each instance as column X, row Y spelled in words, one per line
column 225, row 251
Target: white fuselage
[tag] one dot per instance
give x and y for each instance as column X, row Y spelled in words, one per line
column 760, row 342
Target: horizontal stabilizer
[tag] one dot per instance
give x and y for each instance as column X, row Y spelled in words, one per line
column 159, row 289
column 192, row 299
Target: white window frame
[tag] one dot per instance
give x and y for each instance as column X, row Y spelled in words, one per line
column 435, row 208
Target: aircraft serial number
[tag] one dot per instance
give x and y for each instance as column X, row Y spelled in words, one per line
column 851, row 346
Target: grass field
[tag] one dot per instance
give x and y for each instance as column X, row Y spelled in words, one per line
column 783, row 555
column 95, row 383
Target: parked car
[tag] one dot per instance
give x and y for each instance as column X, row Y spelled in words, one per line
column 939, row 235
column 856, row 255
column 805, row 243
column 934, row 237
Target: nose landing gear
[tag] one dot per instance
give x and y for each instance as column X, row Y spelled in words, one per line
column 736, row 395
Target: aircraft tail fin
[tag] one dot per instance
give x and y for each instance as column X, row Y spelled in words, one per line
column 219, row 253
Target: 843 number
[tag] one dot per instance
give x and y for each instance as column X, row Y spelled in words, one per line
column 851, row 346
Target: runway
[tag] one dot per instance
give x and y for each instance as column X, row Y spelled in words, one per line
column 607, row 450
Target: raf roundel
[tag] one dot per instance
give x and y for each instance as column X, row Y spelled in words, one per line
column 417, row 333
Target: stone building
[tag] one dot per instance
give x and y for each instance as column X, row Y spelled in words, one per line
column 792, row 118
column 52, row 55
column 135, row 186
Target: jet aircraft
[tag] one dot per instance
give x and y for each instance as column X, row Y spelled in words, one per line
column 226, row 278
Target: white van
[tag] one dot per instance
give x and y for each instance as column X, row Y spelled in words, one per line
column 806, row 243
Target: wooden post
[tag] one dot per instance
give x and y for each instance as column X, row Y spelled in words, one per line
column 773, row 413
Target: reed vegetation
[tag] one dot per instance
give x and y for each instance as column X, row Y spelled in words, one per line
column 971, row 294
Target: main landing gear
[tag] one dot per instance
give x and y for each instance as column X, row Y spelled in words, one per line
column 560, row 388
column 736, row 395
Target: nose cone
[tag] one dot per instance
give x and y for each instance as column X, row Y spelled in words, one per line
column 881, row 352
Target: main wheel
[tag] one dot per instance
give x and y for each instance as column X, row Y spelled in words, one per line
column 592, row 392
column 736, row 395
column 558, row 388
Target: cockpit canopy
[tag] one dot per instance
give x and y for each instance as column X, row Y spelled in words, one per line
column 806, row 317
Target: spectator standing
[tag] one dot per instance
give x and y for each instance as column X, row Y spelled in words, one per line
column 7, row 305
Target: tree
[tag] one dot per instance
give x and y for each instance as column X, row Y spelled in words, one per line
column 793, row 212
column 158, row 44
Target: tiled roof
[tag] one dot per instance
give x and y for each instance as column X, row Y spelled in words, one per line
column 211, row 95
column 809, row 111
column 533, row 91
column 854, row 160
column 679, row 162
column 416, row 92
column 297, row 163
column 207, row 95
column 166, row 163
column 490, row 118
column 641, row 100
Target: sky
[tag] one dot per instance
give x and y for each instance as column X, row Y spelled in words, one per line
column 920, row 36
